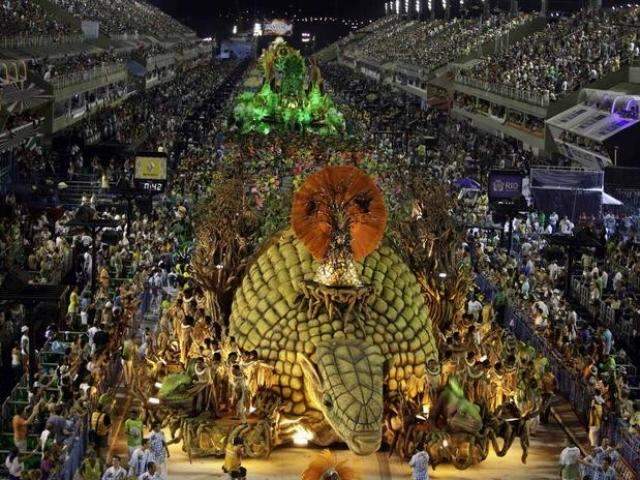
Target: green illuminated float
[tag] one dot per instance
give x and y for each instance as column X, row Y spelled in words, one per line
column 290, row 99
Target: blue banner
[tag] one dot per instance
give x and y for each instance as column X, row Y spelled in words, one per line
column 505, row 185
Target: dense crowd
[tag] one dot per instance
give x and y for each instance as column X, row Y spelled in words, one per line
column 431, row 45
column 131, row 275
column 570, row 53
column 25, row 17
column 135, row 306
column 124, row 16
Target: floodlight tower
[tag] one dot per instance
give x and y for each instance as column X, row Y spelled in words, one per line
column 446, row 5
column 514, row 8
column 544, row 5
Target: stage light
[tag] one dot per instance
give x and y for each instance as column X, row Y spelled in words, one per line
column 154, row 401
column 158, row 385
column 302, row 437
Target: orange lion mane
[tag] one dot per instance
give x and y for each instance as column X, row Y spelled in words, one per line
column 359, row 198
column 324, row 461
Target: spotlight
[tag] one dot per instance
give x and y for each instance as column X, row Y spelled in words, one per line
column 302, row 437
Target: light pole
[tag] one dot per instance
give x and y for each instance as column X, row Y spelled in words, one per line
column 544, row 5
column 446, row 5
column 514, row 8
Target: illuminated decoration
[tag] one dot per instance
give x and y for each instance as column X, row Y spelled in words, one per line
column 277, row 28
column 430, row 3
column 445, row 4
column 325, row 466
column 406, row 6
column 418, row 6
column 234, row 30
column 257, row 30
column 289, row 100
column 302, row 437
column 398, row 7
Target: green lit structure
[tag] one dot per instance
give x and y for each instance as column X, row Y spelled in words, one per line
column 290, row 99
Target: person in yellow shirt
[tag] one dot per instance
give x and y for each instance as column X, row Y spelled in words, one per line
column 74, row 302
column 233, row 455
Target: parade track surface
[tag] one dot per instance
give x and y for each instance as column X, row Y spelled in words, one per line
column 288, row 463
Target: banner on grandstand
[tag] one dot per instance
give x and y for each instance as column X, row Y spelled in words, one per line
column 277, row 28
column 90, row 29
column 505, row 185
column 150, row 172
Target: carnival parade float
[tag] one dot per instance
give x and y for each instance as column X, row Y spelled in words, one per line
column 339, row 292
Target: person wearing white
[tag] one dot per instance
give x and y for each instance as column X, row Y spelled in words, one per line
column 569, row 462
column 115, row 471
column 140, row 459
column 13, row 464
column 474, row 307
column 420, row 465
column 151, row 473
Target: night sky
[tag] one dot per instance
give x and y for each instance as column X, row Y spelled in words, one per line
column 209, row 18
column 216, row 18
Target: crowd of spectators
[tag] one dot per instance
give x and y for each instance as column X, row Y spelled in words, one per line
column 26, row 17
column 132, row 276
column 530, row 275
column 118, row 17
column 570, row 53
column 433, row 44
column 51, row 68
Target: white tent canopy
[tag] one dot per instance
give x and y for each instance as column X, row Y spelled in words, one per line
column 609, row 200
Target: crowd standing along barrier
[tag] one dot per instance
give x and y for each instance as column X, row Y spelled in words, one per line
column 569, row 384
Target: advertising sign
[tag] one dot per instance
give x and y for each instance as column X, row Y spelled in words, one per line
column 150, row 172
column 277, row 28
column 505, row 185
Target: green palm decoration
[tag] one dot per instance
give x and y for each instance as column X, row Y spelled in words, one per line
column 285, row 103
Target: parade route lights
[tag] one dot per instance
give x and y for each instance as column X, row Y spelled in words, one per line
column 302, row 437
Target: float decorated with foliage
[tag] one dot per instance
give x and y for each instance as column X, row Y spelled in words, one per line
column 339, row 287
column 290, row 98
